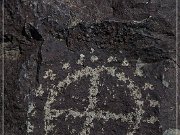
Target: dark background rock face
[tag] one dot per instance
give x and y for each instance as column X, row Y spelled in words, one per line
column 90, row 67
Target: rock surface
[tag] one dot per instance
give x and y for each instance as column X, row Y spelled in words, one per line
column 90, row 67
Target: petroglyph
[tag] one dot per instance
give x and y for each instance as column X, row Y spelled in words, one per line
column 93, row 90
column 86, row 67
column 92, row 112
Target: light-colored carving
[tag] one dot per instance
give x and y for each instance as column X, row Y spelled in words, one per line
column 90, row 112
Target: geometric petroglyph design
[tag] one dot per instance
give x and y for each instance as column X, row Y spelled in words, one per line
column 93, row 90
column 133, row 119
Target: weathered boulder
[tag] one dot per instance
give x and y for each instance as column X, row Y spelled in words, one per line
column 90, row 67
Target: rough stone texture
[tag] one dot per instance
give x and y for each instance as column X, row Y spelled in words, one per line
column 90, row 67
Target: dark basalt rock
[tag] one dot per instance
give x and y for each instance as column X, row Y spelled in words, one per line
column 90, row 67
